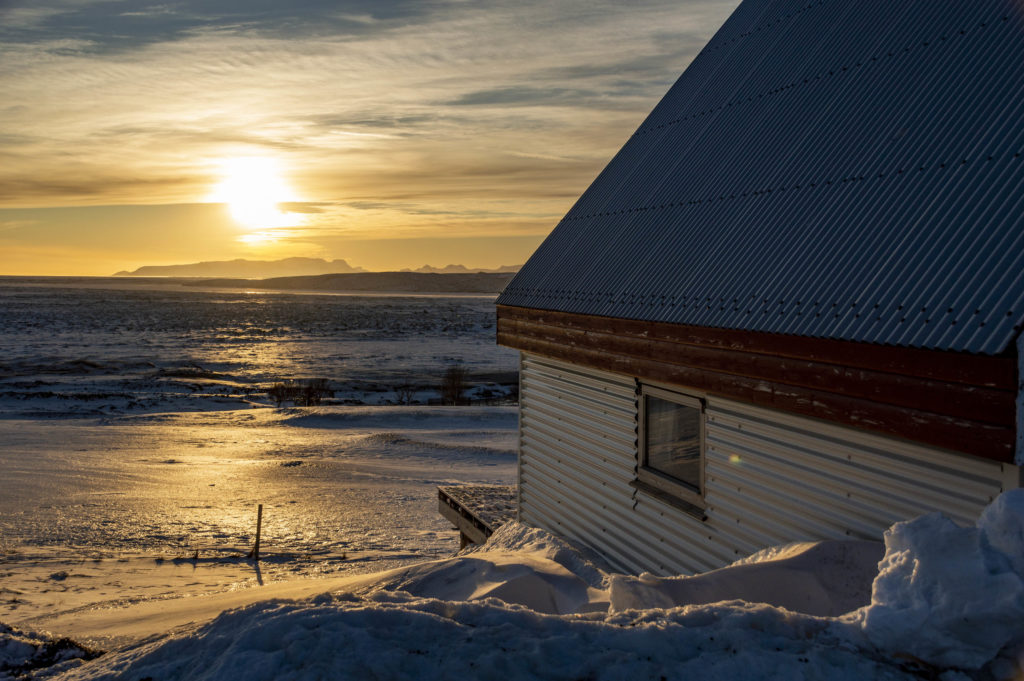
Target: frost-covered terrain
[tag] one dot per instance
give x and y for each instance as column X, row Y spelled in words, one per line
column 95, row 513
column 946, row 603
column 137, row 438
column 90, row 347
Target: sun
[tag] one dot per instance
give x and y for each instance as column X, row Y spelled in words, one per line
column 254, row 189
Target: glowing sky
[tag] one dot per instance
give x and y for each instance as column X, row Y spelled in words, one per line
column 388, row 133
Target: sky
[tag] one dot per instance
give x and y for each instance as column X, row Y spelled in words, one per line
column 389, row 133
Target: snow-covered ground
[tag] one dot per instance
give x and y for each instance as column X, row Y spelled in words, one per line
column 947, row 603
column 111, row 512
column 937, row 601
column 135, row 445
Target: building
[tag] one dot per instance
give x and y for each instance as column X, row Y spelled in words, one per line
column 791, row 306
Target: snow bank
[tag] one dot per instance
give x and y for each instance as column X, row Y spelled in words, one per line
column 398, row 636
column 522, row 538
column 527, row 580
column 949, row 595
column 519, row 565
column 22, row 652
column 376, row 419
column 947, row 599
column 817, row 578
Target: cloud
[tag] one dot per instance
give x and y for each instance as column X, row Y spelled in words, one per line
column 25, row 17
column 524, row 95
column 304, row 208
column 370, row 119
column 12, row 225
column 432, row 112
column 118, row 27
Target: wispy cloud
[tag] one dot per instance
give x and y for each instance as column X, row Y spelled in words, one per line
column 525, row 95
column 442, row 115
column 26, row 17
column 11, row 225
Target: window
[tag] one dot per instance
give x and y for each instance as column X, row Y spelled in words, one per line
column 672, row 448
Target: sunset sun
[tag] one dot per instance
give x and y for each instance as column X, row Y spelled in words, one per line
column 254, row 189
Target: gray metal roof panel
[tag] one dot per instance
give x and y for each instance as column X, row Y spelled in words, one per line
column 838, row 169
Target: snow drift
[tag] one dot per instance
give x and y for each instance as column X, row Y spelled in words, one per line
column 946, row 599
column 826, row 578
column 951, row 596
column 23, row 652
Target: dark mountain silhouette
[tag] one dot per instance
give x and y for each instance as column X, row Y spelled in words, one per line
column 246, row 269
column 462, row 269
column 392, row 282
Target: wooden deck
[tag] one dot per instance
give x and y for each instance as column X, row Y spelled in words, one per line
column 477, row 511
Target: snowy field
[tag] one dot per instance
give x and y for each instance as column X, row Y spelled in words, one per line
column 136, row 431
column 97, row 513
column 945, row 603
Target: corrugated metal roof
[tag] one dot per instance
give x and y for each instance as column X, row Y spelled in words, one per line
column 838, row 169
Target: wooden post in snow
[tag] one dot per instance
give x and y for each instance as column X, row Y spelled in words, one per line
column 255, row 553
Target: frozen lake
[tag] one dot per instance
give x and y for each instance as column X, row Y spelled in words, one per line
column 135, row 429
column 93, row 509
column 103, row 346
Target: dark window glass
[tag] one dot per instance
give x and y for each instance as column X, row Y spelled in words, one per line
column 672, row 439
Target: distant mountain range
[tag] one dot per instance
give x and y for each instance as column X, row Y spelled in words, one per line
column 289, row 267
column 393, row 282
column 462, row 269
column 246, row 269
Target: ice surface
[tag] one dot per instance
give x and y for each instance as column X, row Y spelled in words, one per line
column 127, row 501
column 133, row 458
column 73, row 350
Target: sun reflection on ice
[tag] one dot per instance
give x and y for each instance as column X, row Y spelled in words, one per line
column 274, row 359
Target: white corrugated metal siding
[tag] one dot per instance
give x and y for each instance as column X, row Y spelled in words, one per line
column 771, row 477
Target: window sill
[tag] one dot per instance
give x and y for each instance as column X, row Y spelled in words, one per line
column 670, row 499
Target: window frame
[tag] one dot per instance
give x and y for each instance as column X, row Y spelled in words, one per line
column 650, row 479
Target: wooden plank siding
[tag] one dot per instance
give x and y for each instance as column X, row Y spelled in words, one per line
column 960, row 402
